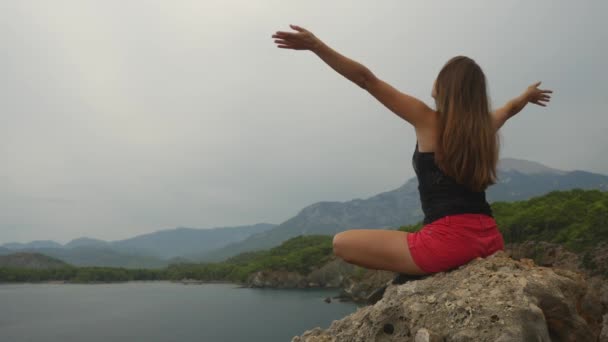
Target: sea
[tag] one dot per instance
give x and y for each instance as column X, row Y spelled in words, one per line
column 163, row 311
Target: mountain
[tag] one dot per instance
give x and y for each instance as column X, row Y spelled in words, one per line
column 387, row 209
column 517, row 180
column 33, row 244
column 30, row 260
column 146, row 251
column 522, row 179
column 527, row 167
column 178, row 242
column 96, row 256
column 86, row 242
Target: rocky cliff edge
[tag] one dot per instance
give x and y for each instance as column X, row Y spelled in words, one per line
column 496, row 299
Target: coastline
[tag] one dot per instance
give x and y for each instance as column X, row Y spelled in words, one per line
column 341, row 297
column 65, row 282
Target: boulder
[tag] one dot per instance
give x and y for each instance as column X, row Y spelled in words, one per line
column 496, row 299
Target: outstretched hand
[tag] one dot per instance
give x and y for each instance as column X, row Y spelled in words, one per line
column 301, row 40
column 538, row 96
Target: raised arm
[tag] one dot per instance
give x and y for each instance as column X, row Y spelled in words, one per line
column 405, row 106
column 514, row 106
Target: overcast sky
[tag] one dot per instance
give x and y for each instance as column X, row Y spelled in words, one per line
column 124, row 117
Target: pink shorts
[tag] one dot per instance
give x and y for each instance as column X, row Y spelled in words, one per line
column 454, row 240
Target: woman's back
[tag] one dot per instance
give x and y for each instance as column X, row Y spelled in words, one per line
column 441, row 195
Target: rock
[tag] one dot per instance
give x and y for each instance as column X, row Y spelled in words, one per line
column 360, row 290
column 327, row 300
column 332, row 274
column 423, row 335
column 335, row 274
column 277, row 279
column 592, row 262
column 493, row 299
column 544, row 254
column 604, row 334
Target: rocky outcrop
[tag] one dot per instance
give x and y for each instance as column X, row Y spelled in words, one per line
column 358, row 289
column 545, row 254
column 332, row 274
column 497, row 299
column 592, row 262
column 356, row 284
column 277, row 279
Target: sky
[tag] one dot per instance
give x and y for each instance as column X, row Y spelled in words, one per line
column 120, row 118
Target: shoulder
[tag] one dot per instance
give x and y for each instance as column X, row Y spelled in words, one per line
column 406, row 106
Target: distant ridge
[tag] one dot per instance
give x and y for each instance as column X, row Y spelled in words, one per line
column 526, row 167
column 33, row 244
column 143, row 251
column 86, row 242
column 517, row 180
column 30, row 260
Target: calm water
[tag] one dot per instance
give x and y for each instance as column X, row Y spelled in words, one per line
column 162, row 311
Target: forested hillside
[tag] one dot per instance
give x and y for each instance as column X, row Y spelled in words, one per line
column 576, row 219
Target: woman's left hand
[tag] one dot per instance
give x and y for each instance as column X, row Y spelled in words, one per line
column 301, row 40
column 538, row 96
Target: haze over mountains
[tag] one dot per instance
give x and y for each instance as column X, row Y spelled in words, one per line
column 518, row 180
column 149, row 250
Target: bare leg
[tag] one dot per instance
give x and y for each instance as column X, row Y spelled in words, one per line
column 378, row 249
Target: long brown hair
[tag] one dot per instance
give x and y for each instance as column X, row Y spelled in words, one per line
column 468, row 143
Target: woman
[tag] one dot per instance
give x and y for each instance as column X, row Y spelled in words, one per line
column 455, row 161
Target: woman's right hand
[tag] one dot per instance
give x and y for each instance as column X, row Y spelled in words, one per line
column 538, row 96
column 301, row 40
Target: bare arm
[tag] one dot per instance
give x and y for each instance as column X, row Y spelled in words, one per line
column 352, row 70
column 405, row 106
column 514, row 106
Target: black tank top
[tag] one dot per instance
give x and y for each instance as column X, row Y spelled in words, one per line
column 441, row 195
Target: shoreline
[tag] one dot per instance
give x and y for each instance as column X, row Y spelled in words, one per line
column 339, row 297
column 65, row 282
column 183, row 282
